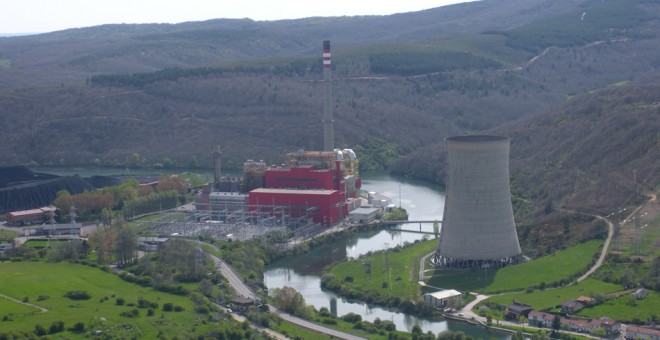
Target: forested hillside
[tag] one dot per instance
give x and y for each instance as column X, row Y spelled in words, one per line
column 71, row 56
column 597, row 153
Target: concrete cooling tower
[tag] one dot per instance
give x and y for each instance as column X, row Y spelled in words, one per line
column 477, row 227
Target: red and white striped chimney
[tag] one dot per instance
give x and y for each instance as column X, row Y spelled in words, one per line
column 328, row 121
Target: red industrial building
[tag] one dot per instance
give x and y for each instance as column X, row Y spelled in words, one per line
column 23, row 217
column 300, row 177
column 322, row 206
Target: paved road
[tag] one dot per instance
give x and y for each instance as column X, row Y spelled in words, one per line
column 314, row 327
column 603, row 253
column 242, row 289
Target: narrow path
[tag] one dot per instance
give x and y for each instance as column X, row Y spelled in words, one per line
column 42, row 309
column 603, row 253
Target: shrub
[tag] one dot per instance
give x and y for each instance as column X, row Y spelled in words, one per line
column 40, row 330
column 168, row 307
column 352, row 317
column 133, row 313
column 77, row 295
column 56, row 327
column 348, row 279
column 179, row 309
column 202, row 310
column 78, row 327
column 330, row 321
column 142, row 303
column 120, row 301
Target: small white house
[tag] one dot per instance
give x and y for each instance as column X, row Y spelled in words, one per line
column 443, row 298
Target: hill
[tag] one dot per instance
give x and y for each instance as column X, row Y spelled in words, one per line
column 390, row 99
column 71, row 56
column 597, row 153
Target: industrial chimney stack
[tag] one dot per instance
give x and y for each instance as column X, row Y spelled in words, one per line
column 217, row 166
column 478, row 229
column 328, row 121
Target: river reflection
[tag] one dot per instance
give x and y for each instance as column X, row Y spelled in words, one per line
column 423, row 202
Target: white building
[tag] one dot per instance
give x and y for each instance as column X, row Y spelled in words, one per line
column 363, row 215
column 443, row 298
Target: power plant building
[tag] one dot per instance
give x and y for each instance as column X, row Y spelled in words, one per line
column 478, row 229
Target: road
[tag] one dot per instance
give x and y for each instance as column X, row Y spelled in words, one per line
column 242, row 289
column 603, row 253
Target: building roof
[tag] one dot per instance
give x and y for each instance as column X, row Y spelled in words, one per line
column 364, row 210
column 59, row 226
column 584, row 299
column 152, row 239
column 571, row 304
column 294, row 191
column 444, row 294
column 518, row 306
column 31, row 211
column 545, row 316
column 574, row 322
column 643, row 330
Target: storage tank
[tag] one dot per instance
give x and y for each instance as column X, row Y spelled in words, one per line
column 478, row 229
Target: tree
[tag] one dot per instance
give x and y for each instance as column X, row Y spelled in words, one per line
column 556, row 323
column 205, row 287
column 102, row 241
column 125, row 244
column 289, row 300
column 106, row 217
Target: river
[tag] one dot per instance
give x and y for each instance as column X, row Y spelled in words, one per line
column 423, row 202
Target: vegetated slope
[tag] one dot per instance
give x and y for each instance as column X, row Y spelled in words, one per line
column 597, row 153
column 385, row 106
column 390, row 99
column 70, row 56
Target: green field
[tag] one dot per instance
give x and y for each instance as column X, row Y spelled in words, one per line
column 8, row 234
column 549, row 298
column 549, row 269
column 398, row 269
column 44, row 284
column 622, row 309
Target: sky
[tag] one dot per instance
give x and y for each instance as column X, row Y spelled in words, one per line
column 41, row 16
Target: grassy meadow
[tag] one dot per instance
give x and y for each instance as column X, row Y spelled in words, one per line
column 548, row 269
column 394, row 273
column 626, row 309
column 549, row 298
column 44, row 285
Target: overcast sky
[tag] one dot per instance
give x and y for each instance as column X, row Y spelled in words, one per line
column 40, row 16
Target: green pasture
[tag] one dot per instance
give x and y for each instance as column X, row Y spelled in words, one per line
column 39, row 244
column 8, row 234
column 399, row 269
column 549, row 298
column 44, row 284
column 548, row 270
column 627, row 309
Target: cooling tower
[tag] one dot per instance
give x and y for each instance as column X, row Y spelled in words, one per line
column 477, row 227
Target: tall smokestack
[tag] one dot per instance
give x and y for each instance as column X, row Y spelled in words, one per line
column 328, row 121
column 217, row 165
